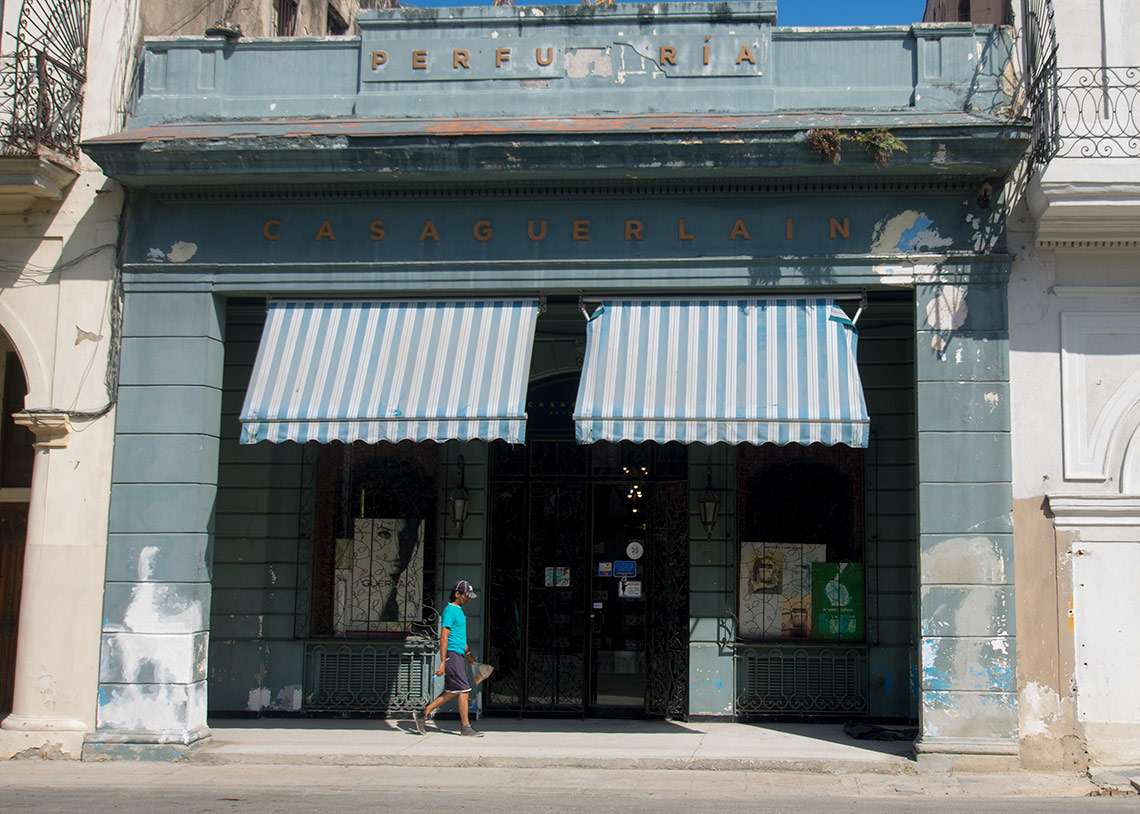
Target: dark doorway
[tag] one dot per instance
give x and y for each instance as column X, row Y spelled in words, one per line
column 588, row 571
column 16, row 461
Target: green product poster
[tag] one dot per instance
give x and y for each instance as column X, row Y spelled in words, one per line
column 837, row 601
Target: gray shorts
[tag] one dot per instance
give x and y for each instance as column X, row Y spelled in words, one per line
column 455, row 673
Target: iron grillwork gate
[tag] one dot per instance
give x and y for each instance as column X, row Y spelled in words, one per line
column 540, row 508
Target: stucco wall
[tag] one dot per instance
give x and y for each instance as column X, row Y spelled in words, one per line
column 57, row 263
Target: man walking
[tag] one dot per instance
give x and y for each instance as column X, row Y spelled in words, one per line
column 454, row 655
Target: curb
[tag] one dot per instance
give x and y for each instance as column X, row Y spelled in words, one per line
column 212, row 757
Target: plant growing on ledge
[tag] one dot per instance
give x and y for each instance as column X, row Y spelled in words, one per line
column 827, row 142
column 880, row 143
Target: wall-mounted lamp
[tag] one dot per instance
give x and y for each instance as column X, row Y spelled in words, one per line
column 460, row 501
column 709, row 504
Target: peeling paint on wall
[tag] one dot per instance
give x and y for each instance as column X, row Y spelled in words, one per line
column 945, row 313
column 583, row 62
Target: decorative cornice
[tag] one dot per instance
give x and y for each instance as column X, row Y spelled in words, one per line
column 1115, row 292
column 711, row 187
column 50, row 428
column 1094, row 510
column 1076, row 243
column 928, row 745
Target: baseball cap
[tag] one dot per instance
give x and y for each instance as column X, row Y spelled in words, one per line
column 465, row 588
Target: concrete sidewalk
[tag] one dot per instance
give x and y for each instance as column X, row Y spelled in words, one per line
column 537, row 744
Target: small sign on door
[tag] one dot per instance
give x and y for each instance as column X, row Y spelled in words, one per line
column 625, row 568
column 629, row 589
column 605, row 569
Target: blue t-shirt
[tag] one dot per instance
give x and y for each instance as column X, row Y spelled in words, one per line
column 456, row 621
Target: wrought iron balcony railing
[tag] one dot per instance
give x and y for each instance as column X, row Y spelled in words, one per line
column 1098, row 112
column 42, row 105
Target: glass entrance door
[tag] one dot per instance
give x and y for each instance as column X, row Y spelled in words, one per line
column 618, row 596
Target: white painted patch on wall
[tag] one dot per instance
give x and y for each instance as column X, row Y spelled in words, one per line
column 946, row 312
column 289, row 698
column 258, row 699
column 993, row 400
column 909, row 231
column 1039, row 708
column 583, row 62
column 182, row 251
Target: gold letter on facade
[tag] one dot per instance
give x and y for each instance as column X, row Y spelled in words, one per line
column 502, row 55
column 419, row 60
column 739, row 230
column 269, row 229
column 326, row 231
column 459, row 57
column 668, row 55
column 633, row 230
column 835, row 227
column 789, row 229
column 580, row 229
column 376, row 229
column 682, row 234
column 532, row 234
column 429, row 232
column 379, row 59
column 544, row 60
column 745, row 55
column 482, row 231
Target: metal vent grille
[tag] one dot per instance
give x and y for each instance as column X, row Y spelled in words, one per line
column 375, row 678
column 796, row 680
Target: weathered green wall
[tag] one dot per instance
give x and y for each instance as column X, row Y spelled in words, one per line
column 886, row 363
column 156, row 608
column 262, row 523
column 968, row 654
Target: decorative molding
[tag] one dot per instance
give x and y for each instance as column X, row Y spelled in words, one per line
column 600, row 189
column 1115, row 292
column 24, row 181
column 1131, row 243
column 1094, row 510
column 52, row 429
column 1085, row 447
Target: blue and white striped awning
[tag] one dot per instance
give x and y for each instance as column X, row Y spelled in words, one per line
column 391, row 371
column 737, row 370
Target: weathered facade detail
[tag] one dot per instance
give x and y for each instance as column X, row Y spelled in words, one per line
column 510, row 172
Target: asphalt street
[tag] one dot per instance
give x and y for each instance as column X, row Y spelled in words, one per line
column 93, row 789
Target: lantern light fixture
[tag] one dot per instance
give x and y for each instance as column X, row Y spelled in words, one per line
column 460, row 500
column 709, row 504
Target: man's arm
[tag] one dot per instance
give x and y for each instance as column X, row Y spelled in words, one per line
column 443, row 634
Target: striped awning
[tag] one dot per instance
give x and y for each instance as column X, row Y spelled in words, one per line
column 391, row 371
column 737, row 370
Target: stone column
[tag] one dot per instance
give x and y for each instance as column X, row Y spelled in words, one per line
column 156, row 612
column 968, row 690
column 38, row 719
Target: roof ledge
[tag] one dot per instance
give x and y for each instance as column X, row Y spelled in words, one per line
column 25, row 180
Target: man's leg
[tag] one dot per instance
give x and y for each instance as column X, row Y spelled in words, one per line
column 440, row 700
column 463, row 720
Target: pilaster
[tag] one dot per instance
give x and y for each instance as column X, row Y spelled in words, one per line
column 156, row 612
column 967, row 654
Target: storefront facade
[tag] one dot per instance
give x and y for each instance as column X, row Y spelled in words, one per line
column 564, row 302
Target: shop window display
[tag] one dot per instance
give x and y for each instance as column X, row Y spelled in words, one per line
column 801, row 544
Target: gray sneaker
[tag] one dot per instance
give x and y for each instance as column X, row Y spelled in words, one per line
column 470, row 732
column 418, row 718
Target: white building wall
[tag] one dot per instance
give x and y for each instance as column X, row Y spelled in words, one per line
column 57, row 266
column 1074, row 301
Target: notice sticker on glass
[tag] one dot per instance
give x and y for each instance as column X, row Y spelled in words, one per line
column 625, row 568
column 629, row 589
column 548, row 578
column 605, row 569
column 599, row 605
column 634, row 550
column 562, row 576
